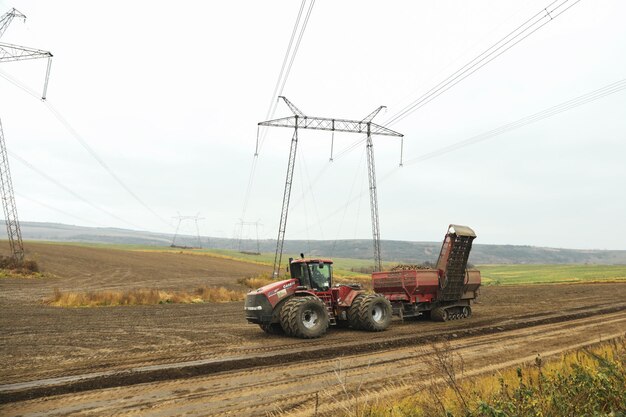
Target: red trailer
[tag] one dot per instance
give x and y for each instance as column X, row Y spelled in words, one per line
column 444, row 292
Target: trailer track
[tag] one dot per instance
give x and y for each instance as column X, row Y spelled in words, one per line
column 289, row 353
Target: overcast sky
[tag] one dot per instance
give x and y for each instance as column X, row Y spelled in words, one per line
column 169, row 94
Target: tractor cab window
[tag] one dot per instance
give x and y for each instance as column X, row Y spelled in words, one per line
column 298, row 271
column 320, row 274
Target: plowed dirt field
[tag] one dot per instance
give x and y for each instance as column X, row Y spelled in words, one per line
column 204, row 359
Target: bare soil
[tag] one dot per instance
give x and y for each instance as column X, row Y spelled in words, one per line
column 188, row 347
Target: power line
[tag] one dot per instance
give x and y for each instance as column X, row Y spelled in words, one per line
column 464, row 54
column 101, row 162
column 85, row 145
column 573, row 103
column 357, row 174
column 273, row 102
column 306, row 214
column 291, row 61
column 541, row 18
column 58, row 210
column 278, row 90
column 246, row 199
column 295, row 51
column 535, row 117
column 517, row 35
column 310, row 189
column 68, row 190
column 19, row 84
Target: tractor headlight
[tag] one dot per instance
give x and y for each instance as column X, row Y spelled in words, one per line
column 253, row 308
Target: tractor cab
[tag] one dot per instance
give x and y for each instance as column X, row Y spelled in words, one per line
column 316, row 274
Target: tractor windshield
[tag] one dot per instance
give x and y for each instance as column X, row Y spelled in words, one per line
column 320, row 274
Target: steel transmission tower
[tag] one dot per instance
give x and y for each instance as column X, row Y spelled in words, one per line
column 365, row 126
column 256, row 225
column 8, row 204
column 9, row 52
column 195, row 218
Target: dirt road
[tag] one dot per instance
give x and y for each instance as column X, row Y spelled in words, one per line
column 338, row 381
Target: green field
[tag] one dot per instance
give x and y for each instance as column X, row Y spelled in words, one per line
column 545, row 274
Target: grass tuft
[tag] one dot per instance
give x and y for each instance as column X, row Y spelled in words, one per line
column 142, row 296
column 257, row 281
column 11, row 268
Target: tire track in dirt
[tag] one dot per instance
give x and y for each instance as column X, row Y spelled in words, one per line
column 396, row 363
column 300, row 353
column 293, row 386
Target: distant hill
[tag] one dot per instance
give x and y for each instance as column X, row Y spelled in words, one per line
column 393, row 250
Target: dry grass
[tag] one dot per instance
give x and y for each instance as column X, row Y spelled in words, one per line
column 10, row 268
column 141, row 296
column 257, row 281
column 591, row 377
column 8, row 273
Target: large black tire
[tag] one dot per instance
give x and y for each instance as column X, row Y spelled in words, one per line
column 439, row 314
column 353, row 311
column 304, row 317
column 272, row 328
column 373, row 313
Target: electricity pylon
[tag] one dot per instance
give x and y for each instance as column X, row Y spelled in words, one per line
column 256, row 225
column 180, row 218
column 10, row 52
column 8, row 204
column 365, row 126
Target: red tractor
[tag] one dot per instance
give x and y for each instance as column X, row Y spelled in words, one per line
column 307, row 304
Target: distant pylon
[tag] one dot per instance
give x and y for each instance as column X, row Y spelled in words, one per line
column 256, row 224
column 8, row 204
column 195, row 218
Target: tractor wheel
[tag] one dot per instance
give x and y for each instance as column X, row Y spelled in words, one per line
column 467, row 312
column 353, row 312
column 272, row 328
column 304, row 317
column 374, row 313
column 439, row 314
